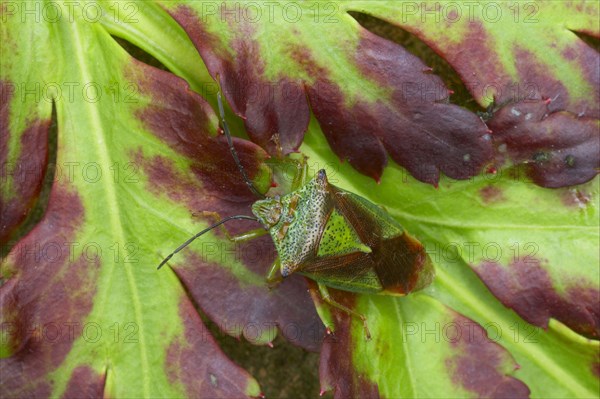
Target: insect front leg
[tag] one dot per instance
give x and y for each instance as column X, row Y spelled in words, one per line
column 274, row 277
column 247, row 236
column 330, row 301
column 300, row 175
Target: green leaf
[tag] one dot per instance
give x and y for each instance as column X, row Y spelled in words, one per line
column 492, row 220
column 141, row 166
column 485, row 43
column 370, row 96
column 137, row 151
column 552, row 76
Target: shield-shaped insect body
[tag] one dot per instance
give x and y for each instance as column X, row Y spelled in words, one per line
column 343, row 241
column 335, row 237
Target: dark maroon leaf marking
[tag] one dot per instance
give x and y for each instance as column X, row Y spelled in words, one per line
column 198, row 362
column 559, row 149
column 491, row 194
column 480, row 67
column 348, row 129
column 182, row 119
column 477, row 362
column 336, row 370
column 420, row 133
column 252, row 309
column 525, row 286
column 276, row 113
column 187, row 124
column 561, row 134
column 537, row 84
column 477, row 63
column 85, row 383
column 27, row 173
column 46, row 298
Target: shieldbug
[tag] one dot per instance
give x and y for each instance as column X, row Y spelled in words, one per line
column 332, row 236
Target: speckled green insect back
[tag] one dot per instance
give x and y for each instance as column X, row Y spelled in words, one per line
column 334, row 237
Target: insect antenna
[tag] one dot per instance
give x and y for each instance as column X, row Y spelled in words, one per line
column 232, row 149
column 206, row 230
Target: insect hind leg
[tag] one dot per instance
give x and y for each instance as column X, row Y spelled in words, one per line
column 331, row 302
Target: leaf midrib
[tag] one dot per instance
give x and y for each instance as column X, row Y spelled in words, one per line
column 100, row 147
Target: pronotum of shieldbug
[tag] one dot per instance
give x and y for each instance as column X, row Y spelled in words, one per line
column 332, row 236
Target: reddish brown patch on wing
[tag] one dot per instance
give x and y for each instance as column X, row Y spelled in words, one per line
column 478, row 362
column 400, row 262
column 276, row 114
column 336, row 370
column 196, row 361
column 526, row 288
column 27, row 173
column 85, row 383
column 186, row 123
column 402, row 265
column 491, row 194
column 47, row 296
column 559, row 149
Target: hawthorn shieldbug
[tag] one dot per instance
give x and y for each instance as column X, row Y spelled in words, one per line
column 332, row 236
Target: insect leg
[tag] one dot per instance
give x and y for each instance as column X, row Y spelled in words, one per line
column 232, row 148
column 300, row 172
column 274, row 277
column 247, row 236
column 301, row 176
column 330, row 301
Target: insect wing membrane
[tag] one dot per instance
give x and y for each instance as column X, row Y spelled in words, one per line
column 386, row 259
column 398, row 259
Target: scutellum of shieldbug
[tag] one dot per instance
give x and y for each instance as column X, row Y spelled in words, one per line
column 332, row 236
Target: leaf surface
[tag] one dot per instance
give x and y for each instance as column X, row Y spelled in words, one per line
column 553, row 68
column 370, row 96
column 503, row 255
column 86, row 313
column 137, row 152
